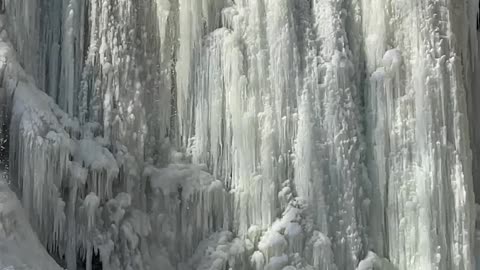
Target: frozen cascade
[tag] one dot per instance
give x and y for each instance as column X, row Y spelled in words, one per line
column 244, row 134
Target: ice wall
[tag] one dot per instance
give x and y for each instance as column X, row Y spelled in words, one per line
column 419, row 131
column 270, row 134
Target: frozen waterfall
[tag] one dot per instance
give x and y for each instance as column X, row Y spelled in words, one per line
column 241, row 134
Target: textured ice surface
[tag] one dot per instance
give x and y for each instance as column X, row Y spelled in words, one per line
column 246, row 134
column 19, row 245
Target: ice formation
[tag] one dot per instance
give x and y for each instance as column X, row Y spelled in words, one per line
column 20, row 247
column 244, row 134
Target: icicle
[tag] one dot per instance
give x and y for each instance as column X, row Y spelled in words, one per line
column 91, row 204
column 88, row 260
column 258, row 260
column 71, row 233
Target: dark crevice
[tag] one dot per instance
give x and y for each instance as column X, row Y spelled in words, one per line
column 96, row 262
column 4, row 130
column 473, row 96
column 478, row 17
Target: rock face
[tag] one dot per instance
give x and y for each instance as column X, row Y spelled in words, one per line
column 246, row 134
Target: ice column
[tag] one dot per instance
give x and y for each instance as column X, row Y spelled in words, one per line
column 420, row 133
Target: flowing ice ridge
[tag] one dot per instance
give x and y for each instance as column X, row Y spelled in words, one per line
column 245, row 134
column 419, row 127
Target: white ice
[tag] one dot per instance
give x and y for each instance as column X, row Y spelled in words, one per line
column 246, row 134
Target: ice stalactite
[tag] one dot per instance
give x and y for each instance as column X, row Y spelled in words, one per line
column 341, row 130
column 195, row 20
column 56, row 29
column 188, row 205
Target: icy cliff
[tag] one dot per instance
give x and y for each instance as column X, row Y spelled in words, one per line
column 246, row 134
